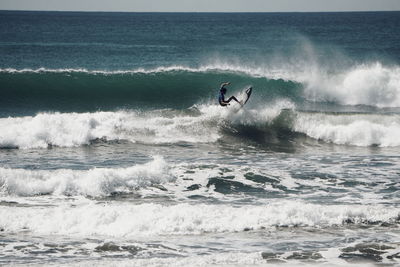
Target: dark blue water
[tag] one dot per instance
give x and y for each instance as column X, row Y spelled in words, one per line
column 120, row 41
column 114, row 150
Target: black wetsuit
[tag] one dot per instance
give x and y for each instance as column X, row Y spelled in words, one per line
column 221, row 98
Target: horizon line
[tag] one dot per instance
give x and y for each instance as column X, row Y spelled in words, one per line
column 114, row 11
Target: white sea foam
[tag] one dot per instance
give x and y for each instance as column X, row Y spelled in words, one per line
column 256, row 72
column 359, row 130
column 372, row 84
column 156, row 127
column 75, row 129
column 219, row 259
column 367, row 84
column 142, row 220
column 215, row 260
column 246, row 116
column 232, row 259
column 153, row 127
column 93, row 182
column 343, row 129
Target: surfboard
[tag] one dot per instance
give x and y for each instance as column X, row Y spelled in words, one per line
column 246, row 96
column 243, row 97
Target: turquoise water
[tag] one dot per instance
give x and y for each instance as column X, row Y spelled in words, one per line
column 113, row 149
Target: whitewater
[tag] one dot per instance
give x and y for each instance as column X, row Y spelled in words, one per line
column 114, row 150
column 202, row 124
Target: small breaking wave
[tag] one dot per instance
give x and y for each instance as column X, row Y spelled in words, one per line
column 366, row 84
column 76, row 129
column 127, row 220
column 351, row 129
column 95, row 182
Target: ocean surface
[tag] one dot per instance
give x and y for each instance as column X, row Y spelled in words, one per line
column 114, row 150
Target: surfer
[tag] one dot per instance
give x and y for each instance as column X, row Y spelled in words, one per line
column 222, row 92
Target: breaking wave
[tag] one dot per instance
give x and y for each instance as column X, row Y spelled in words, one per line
column 80, row 90
column 127, row 220
column 200, row 124
column 95, row 182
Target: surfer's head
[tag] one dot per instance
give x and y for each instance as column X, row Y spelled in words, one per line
column 223, row 90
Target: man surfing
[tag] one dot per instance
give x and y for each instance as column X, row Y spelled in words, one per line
column 222, row 92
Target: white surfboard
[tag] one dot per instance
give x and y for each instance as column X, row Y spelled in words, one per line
column 246, row 96
column 243, row 97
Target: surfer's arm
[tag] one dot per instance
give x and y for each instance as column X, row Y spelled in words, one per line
column 225, row 83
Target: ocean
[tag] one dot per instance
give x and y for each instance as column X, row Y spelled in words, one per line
column 115, row 152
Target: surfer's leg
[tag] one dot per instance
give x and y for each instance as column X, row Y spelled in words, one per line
column 232, row 98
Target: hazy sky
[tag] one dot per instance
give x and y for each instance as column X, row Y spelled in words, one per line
column 202, row 5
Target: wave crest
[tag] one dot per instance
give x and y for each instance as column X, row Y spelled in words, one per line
column 127, row 220
column 366, row 84
column 372, row 84
column 94, row 182
column 351, row 129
